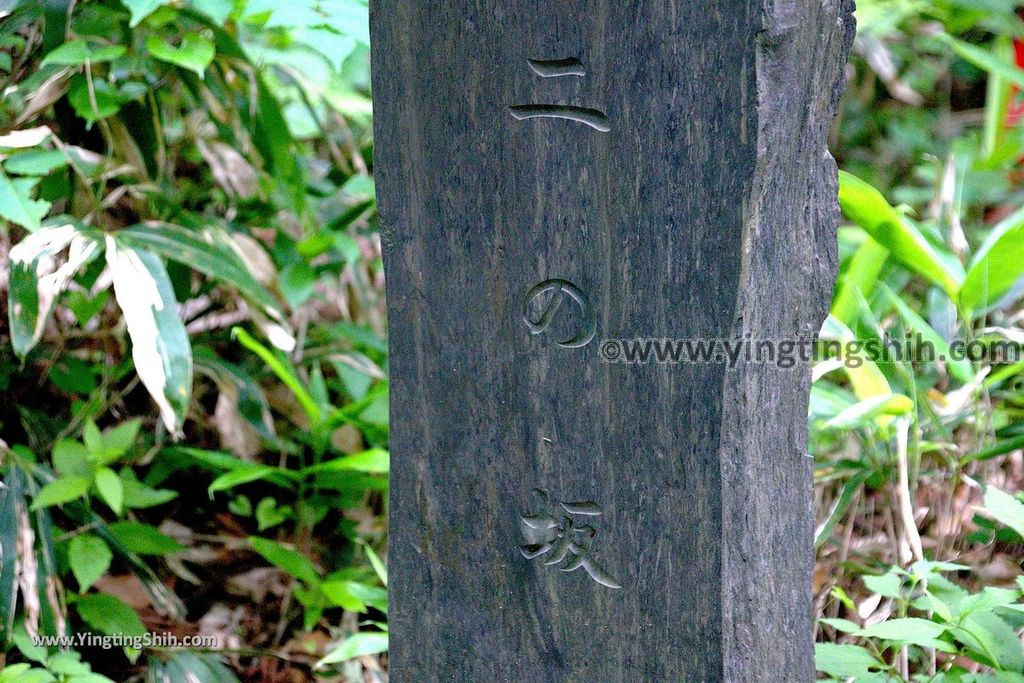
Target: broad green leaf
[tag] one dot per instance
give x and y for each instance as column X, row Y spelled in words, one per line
column 71, row 458
column 1005, row 508
column 887, row 585
column 270, row 514
column 109, row 486
column 195, row 52
column 93, row 438
column 289, row 561
column 138, row 495
column 160, row 345
column 338, row 592
column 116, row 441
column 143, row 539
column 997, row 265
column 60, row 491
column 90, row 559
column 376, row 412
column 37, row 162
column 865, row 206
column 908, row 630
column 987, row 634
column 844, row 661
column 356, row 645
column 106, row 614
column 96, row 101
column 17, row 204
column 77, row 52
column 36, row 279
column 861, row 274
column 140, row 9
column 217, row 10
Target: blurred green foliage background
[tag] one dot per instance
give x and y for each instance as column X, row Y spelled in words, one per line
column 193, row 365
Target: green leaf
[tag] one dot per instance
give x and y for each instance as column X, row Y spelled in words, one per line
column 373, row 461
column 844, row 661
column 78, row 52
column 141, row 9
column 143, row 539
column 908, row 630
column 116, row 441
column 90, row 559
column 37, row 162
column 217, row 10
column 17, row 205
column 1004, row 508
column 109, row 486
column 93, row 438
column 995, row 450
column 160, row 345
column 887, row 585
column 376, row 562
column 865, row 206
column 107, row 100
column 284, row 372
column 138, row 495
column 36, row 279
column 106, row 614
column 997, row 265
column 269, row 514
column 60, row 491
column 245, row 474
column 289, row 561
column 195, row 52
column 338, row 592
column 860, row 274
column 356, row 645
column 71, row 458
column 988, row 635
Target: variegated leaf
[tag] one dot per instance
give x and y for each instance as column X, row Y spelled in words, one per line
column 160, row 345
column 211, row 251
column 37, row 279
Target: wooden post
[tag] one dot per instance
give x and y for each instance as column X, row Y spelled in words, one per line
column 554, row 177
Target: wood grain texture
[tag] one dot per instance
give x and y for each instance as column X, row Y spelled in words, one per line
column 706, row 209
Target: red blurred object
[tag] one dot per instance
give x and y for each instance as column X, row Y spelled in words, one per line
column 1015, row 111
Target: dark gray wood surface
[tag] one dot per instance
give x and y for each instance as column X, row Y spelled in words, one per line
column 555, row 174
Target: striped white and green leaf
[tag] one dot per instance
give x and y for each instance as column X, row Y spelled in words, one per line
column 211, row 251
column 37, row 278
column 160, row 345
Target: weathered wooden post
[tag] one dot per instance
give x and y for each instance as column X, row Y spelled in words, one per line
column 555, row 176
